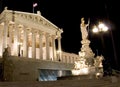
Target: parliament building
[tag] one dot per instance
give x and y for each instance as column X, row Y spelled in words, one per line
column 30, row 48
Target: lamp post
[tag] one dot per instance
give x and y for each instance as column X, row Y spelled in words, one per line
column 100, row 28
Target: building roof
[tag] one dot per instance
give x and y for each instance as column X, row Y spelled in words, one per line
column 32, row 20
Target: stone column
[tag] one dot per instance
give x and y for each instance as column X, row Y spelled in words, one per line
column 5, row 34
column 19, row 42
column 59, row 47
column 1, row 39
column 54, row 48
column 47, row 46
column 25, row 42
column 33, row 44
column 10, row 39
column 29, row 41
column 41, row 45
column 15, row 40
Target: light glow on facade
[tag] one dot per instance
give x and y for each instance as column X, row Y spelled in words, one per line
column 82, row 71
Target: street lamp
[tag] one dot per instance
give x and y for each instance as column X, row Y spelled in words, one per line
column 100, row 28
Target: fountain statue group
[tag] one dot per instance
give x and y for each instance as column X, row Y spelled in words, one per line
column 87, row 62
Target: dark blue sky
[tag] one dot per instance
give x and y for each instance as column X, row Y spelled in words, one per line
column 66, row 14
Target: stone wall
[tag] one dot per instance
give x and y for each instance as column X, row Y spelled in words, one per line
column 27, row 69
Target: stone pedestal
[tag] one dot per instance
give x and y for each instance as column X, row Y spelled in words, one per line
column 86, row 48
column 88, row 53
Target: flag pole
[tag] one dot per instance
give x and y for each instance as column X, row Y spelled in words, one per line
column 33, row 9
column 34, row 5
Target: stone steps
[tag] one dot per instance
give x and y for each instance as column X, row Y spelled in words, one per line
column 64, row 83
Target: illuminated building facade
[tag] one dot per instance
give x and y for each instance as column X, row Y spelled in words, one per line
column 28, row 35
column 30, row 40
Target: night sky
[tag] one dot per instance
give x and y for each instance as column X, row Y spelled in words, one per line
column 67, row 14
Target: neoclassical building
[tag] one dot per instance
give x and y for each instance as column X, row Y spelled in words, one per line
column 29, row 35
column 34, row 47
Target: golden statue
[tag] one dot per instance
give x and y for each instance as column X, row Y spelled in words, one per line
column 84, row 29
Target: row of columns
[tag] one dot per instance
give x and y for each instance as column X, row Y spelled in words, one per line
column 14, row 29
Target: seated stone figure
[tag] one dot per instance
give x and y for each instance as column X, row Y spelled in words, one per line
column 5, row 53
column 98, row 61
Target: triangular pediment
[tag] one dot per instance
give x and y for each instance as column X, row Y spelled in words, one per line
column 29, row 19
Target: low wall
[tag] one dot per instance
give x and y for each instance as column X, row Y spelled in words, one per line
column 27, row 69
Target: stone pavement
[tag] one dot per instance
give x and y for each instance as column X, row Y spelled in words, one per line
column 102, row 82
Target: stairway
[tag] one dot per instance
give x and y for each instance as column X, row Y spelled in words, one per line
column 102, row 82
